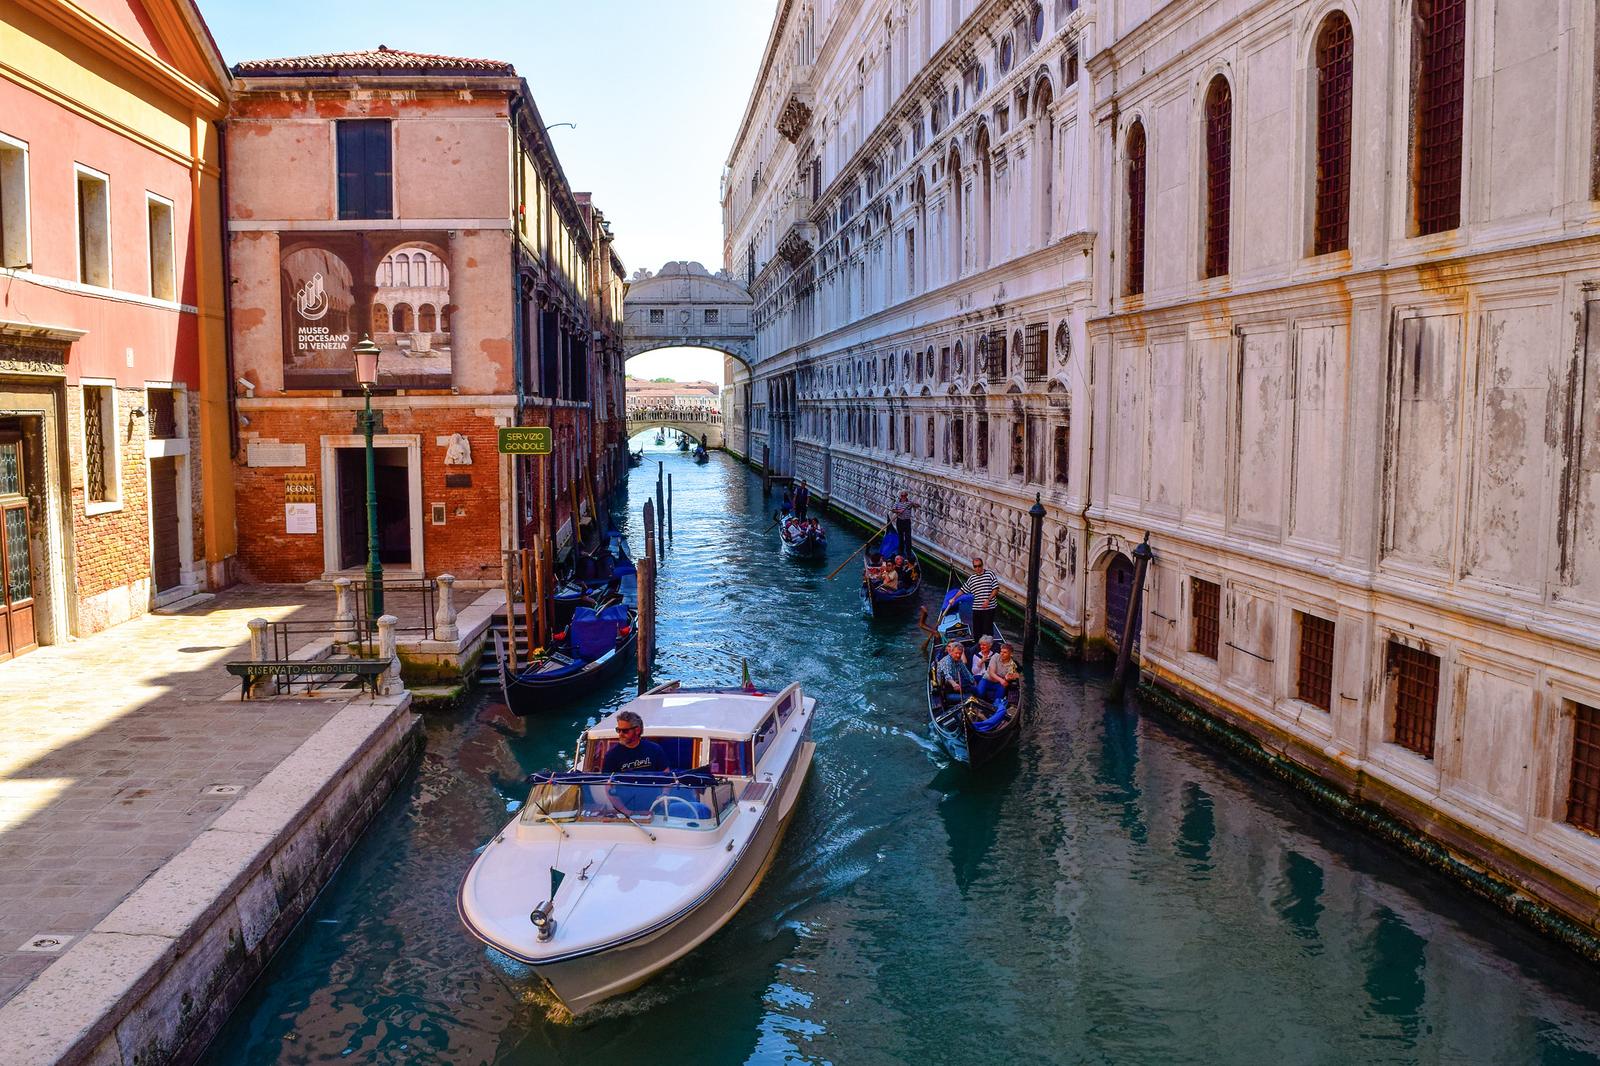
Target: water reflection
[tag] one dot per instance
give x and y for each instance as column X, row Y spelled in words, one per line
column 917, row 912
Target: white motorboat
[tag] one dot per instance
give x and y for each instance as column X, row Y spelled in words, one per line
column 601, row 881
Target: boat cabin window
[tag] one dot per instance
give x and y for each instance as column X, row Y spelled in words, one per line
column 648, row 799
column 765, row 735
column 680, row 751
column 729, row 758
column 787, row 705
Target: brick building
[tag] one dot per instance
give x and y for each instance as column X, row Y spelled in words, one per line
column 114, row 423
column 416, row 199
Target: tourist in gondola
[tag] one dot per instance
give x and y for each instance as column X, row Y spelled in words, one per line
column 802, row 499
column 955, row 678
column 906, row 569
column 981, row 656
column 900, row 516
column 889, row 577
column 983, row 587
column 1001, row 677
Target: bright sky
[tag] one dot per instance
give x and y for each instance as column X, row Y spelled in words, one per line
column 657, row 88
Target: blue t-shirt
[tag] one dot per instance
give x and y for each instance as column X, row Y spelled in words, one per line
column 647, row 756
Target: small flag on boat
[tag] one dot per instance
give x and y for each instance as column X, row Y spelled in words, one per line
column 556, row 877
column 745, row 681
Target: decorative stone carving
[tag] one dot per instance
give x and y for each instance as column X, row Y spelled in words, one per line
column 459, row 451
column 444, row 614
column 794, row 118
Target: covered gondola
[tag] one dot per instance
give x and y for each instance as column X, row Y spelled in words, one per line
column 881, row 600
column 972, row 729
column 636, row 458
column 802, row 538
column 596, row 644
column 603, row 572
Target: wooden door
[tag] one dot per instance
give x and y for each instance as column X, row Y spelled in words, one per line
column 1119, row 595
column 17, row 634
column 164, row 523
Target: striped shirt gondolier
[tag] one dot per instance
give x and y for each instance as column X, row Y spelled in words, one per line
column 982, row 588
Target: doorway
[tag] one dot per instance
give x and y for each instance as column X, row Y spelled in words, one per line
column 166, row 556
column 392, row 477
column 18, row 627
column 1119, row 594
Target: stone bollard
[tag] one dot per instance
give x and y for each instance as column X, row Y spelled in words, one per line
column 444, row 615
column 258, row 651
column 389, row 683
column 344, row 610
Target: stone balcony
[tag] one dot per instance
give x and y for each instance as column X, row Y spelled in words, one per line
column 797, row 234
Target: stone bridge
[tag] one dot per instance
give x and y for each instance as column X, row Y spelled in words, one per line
column 695, row 421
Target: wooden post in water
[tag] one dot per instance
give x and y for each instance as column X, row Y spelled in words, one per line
column 766, row 470
column 645, row 643
column 1030, row 625
column 669, row 505
column 1141, row 563
column 661, row 506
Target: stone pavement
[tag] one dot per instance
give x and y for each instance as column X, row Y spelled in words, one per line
column 118, row 750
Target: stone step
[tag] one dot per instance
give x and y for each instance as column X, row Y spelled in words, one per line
column 194, row 599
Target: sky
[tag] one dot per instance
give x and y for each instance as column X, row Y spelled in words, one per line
column 656, row 87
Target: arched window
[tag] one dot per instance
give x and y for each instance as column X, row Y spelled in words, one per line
column 1133, row 283
column 981, row 208
column 1438, row 55
column 957, row 237
column 1219, row 174
column 402, row 318
column 427, row 319
column 1335, row 84
column 380, row 318
column 1045, row 154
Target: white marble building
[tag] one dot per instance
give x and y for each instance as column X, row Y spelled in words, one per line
column 1305, row 290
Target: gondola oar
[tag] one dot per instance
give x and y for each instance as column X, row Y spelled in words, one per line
column 922, row 623
column 775, row 520
column 857, row 552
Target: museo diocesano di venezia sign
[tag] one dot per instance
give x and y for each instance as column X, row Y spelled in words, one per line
column 337, row 287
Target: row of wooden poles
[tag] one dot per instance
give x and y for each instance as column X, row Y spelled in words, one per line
column 531, row 570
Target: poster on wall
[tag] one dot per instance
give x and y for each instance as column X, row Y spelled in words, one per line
column 394, row 287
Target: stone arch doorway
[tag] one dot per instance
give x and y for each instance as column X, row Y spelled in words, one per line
column 1119, row 581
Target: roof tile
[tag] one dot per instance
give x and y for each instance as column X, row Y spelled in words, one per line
column 382, row 59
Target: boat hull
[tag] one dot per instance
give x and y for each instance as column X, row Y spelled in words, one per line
column 586, row 980
column 527, row 695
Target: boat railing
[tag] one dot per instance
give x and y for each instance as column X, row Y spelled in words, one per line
column 652, row 801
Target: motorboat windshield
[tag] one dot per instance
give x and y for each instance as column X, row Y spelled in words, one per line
column 695, row 799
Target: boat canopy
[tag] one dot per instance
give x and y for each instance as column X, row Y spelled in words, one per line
column 726, row 715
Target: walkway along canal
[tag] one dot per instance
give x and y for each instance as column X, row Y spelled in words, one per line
column 1116, row 892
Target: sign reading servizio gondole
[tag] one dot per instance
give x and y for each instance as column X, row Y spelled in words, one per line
column 526, row 440
column 395, row 288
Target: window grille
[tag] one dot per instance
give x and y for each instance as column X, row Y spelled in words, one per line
column 1335, row 88
column 1133, row 284
column 94, row 443
column 905, row 433
column 1583, row 788
column 1219, row 174
column 1315, row 683
column 711, row 316
column 995, row 364
column 929, row 445
column 1033, row 353
column 163, row 414
column 1440, row 46
column 1205, row 616
column 658, row 317
column 1415, row 676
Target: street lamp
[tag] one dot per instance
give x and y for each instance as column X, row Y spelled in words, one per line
column 366, row 355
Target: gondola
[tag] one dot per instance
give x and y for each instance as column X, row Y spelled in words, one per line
column 801, row 543
column 597, row 572
column 636, row 458
column 597, row 643
column 700, row 455
column 683, row 444
column 660, row 440
column 972, row 730
column 882, row 601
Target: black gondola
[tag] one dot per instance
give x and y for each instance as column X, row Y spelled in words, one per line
column 882, row 601
column 598, row 575
column 701, row 456
column 973, row 730
column 596, row 644
column 636, row 458
column 801, row 539
column 683, row 443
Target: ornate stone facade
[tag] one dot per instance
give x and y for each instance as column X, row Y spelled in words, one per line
column 1252, row 280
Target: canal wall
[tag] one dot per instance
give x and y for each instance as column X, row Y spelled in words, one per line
column 154, row 981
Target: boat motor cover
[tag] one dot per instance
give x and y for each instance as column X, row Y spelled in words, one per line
column 594, row 634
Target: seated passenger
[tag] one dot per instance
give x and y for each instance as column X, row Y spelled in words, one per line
column 1001, row 677
column 982, row 655
column 889, row 578
column 907, row 572
column 955, row 679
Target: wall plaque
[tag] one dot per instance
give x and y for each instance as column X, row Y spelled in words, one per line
column 18, row 358
column 299, row 488
column 458, row 481
column 275, row 453
column 299, row 518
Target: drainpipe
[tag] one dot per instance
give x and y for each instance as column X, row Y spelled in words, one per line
column 227, row 289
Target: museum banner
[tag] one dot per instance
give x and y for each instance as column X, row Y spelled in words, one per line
column 393, row 286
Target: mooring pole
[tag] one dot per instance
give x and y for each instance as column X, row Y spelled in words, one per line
column 1030, row 625
column 661, row 507
column 669, row 505
column 644, row 644
column 1141, row 562
column 766, row 470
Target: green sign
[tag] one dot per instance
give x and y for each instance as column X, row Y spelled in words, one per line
column 526, row 440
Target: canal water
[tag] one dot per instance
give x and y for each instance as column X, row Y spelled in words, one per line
column 1116, row 893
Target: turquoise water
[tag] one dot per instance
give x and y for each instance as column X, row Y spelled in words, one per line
column 1116, row 893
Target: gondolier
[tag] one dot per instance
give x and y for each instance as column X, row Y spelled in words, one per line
column 802, row 499
column 900, row 515
column 983, row 587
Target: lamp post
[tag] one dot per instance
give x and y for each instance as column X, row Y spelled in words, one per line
column 366, row 354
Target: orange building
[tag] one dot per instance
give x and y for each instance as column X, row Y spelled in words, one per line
column 115, row 426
